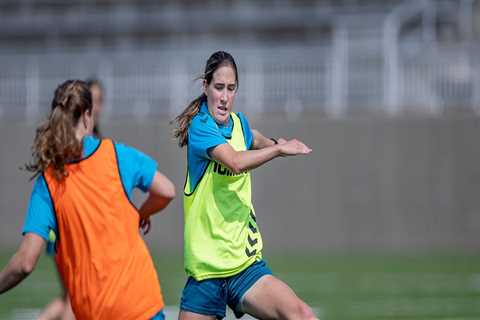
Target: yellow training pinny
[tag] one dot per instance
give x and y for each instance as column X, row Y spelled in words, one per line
column 221, row 234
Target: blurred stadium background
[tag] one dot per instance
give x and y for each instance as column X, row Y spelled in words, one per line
column 381, row 221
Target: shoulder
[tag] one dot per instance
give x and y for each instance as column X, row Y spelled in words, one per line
column 242, row 117
column 136, row 167
column 244, row 122
column 201, row 120
column 90, row 144
column 40, row 196
column 120, row 145
column 203, row 125
column 124, row 150
column 40, row 185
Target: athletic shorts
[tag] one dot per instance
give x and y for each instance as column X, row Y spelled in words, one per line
column 211, row 296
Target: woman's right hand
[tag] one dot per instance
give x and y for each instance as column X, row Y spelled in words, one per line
column 293, row 147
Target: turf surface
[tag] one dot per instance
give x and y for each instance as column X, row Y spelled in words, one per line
column 338, row 287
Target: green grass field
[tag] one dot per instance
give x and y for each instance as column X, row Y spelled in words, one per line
column 338, row 287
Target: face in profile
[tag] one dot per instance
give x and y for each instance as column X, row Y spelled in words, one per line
column 220, row 93
column 97, row 100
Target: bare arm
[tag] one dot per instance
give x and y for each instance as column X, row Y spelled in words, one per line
column 161, row 192
column 260, row 141
column 23, row 261
column 240, row 161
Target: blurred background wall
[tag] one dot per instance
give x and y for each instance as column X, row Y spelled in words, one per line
column 387, row 93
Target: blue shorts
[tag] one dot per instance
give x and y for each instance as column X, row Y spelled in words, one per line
column 211, row 296
column 159, row 316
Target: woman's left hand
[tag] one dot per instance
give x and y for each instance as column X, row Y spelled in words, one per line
column 145, row 225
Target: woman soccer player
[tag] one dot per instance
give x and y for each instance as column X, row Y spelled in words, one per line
column 223, row 246
column 83, row 193
column 60, row 308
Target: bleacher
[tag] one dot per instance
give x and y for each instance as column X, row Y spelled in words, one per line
column 337, row 58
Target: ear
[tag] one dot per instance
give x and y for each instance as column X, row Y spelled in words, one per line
column 204, row 86
column 85, row 118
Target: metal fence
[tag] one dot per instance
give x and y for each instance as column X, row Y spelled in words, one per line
column 365, row 65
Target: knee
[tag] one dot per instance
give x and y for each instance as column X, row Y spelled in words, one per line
column 301, row 310
column 306, row 312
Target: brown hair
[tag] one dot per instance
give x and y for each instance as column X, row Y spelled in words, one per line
column 216, row 60
column 55, row 141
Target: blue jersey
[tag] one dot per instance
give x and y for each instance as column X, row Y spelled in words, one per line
column 136, row 171
column 203, row 135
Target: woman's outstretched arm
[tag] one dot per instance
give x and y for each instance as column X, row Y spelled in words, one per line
column 240, row 161
column 23, row 261
column 260, row 141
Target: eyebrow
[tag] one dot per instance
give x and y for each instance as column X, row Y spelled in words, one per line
column 223, row 83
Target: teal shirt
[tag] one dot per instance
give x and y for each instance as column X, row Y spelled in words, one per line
column 136, row 171
column 203, row 135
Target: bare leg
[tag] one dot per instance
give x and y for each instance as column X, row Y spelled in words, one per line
column 67, row 311
column 187, row 315
column 271, row 298
column 53, row 310
column 60, row 308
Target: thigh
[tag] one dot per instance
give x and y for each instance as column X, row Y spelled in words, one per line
column 238, row 285
column 204, row 299
column 271, row 298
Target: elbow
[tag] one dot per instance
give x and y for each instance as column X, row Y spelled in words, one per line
column 165, row 197
column 164, row 190
column 236, row 168
column 26, row 267
column 237, row 165
column 170, row 192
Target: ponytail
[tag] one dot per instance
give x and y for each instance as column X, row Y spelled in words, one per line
column 183, row 120
column 55, row 142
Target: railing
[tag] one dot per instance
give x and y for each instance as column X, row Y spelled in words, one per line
column 347, row 73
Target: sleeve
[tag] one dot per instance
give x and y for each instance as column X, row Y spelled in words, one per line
column 247, row 132
column 40, row 217
column 203, row 135
column 136, row 168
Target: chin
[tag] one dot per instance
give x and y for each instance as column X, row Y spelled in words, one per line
column 222, row 119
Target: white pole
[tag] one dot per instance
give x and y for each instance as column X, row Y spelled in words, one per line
column 339, row 70
column 32, row 82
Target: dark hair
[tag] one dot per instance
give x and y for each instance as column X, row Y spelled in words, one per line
column 216, row 60
column 55, row 142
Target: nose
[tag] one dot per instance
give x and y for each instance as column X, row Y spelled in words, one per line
column 223, row 97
